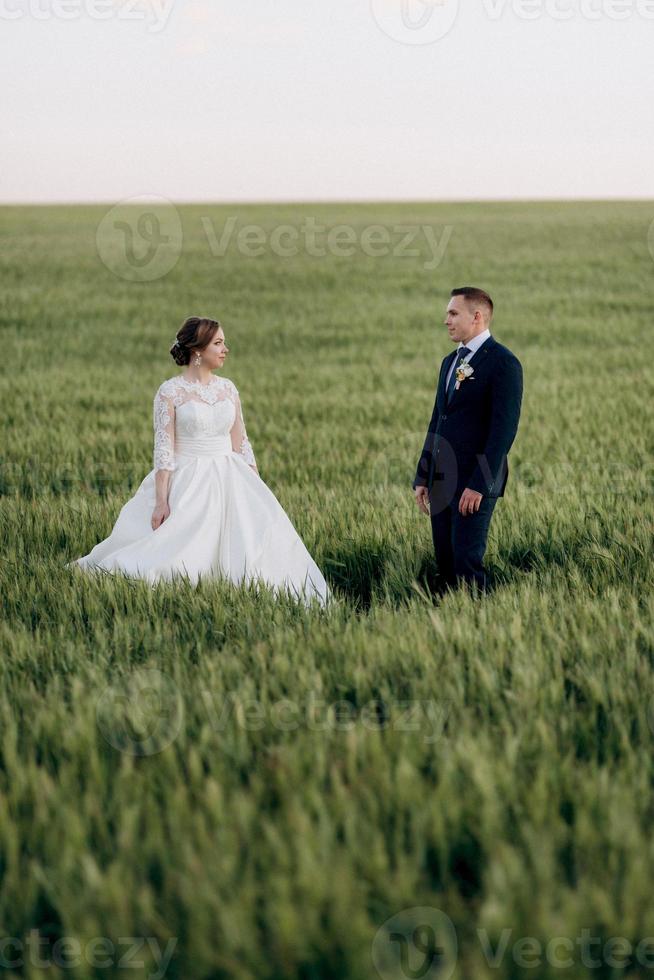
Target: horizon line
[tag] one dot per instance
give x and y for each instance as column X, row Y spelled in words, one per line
column 331, row 200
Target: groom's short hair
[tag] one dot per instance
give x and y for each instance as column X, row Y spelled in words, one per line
column 476, row 297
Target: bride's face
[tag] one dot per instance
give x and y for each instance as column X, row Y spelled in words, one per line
column 216, row 351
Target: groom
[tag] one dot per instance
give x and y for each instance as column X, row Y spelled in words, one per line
column 463, row 468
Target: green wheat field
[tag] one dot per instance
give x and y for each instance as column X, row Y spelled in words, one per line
column 398, row 786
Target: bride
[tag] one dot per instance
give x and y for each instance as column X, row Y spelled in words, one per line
column 204, row 511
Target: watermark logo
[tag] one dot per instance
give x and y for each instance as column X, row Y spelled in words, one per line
column 415, row 21
column 425, row 718
column 426, row 21
column 38, row 953
column 141, row 713
column 140, row 239
column 317, row 240
column 154, row 13
column 418, row 943
column 564, row 10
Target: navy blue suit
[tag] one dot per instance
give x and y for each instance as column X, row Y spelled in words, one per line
column 467, row 445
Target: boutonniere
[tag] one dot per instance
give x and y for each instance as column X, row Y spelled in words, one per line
column 463, row 372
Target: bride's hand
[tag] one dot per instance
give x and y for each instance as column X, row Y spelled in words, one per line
column 159, row 515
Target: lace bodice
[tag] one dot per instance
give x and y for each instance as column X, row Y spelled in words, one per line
column 188, row 409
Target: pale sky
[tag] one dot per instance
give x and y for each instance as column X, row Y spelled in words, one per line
column 205, row 100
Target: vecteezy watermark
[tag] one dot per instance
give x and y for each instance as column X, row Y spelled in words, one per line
column 426, row 718
column 392, row 464
column 415, row 21
column 422, row 942
column 317, row 240
column 565, row 952
column 155, row 13
column 427, row 21
column 395, row 465
column 568, row 9
column 417, row 942
column 140, row 239
column 100, row 952
column 140, row 713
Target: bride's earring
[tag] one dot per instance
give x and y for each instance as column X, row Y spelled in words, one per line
column 198, row 360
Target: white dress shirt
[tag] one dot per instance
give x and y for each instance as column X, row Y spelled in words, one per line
column 473, row 346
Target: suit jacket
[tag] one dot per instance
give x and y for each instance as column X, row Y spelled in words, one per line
column 468, row 439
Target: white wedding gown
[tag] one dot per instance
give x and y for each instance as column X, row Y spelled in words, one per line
column 224, row 521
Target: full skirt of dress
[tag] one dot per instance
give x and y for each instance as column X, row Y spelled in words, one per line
column 224, row 522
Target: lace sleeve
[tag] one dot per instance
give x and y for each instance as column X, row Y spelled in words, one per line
column 164, row 431
column 240, row 441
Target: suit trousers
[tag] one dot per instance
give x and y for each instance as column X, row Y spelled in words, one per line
column 460, row 542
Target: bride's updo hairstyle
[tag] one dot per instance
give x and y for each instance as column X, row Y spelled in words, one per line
column 194, row 334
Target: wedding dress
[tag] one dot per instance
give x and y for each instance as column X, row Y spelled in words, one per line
column 224, row 521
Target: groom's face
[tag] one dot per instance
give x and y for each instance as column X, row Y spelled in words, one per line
column 460, row 320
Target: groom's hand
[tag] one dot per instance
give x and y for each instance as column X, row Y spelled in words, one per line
column 422, row 499
column 469, row 502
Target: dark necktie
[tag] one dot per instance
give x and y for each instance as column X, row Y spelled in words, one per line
column 461, row 353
